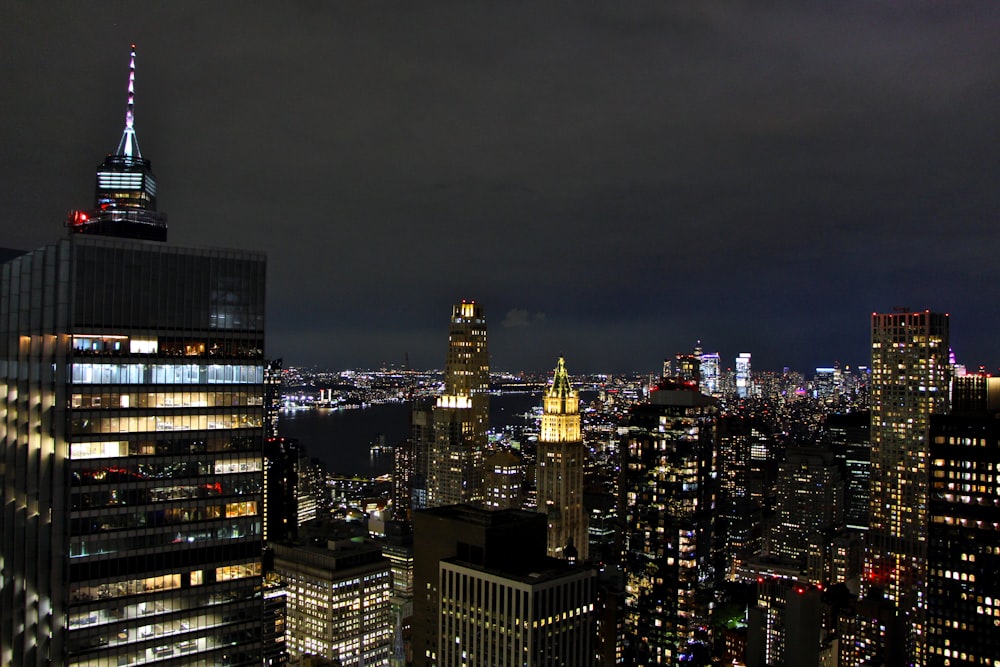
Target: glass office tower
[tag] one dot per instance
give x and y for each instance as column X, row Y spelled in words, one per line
column 131, row 437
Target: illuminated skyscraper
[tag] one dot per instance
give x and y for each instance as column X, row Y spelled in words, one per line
column 744, row 382
column 126, row 188
column 848, row 436
column 909, row 383
column 131, row 441
column 688, row 367
column 668, row 479
column 272, row 397
column 450, row 463
column 710, row 374
column 810, row 508
column 467, row 372
column 963, row 604
column 559, row 468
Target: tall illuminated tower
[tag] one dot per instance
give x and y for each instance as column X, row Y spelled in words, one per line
column 710, row 372
column 963, row 602
column 560, row 468
column 131, row 435
column 453, row 450
column 467, row 372
column 910, row 376
column 668, row 483
column 744, row 383
column 125, row 196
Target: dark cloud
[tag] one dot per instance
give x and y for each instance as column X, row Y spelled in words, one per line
column 757, row 175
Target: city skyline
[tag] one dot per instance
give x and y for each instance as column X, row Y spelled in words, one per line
column 610, row 183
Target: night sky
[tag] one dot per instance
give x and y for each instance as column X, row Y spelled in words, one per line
column 612, row 181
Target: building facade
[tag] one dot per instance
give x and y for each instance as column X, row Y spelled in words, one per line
column 668, row 482
column 559, row 468
column 809, row 511
column 963, row 562
column 281, row 487
column 504, row 484
column 909, row 382
column 338, row 602
column 474, row 535
column 505, row 617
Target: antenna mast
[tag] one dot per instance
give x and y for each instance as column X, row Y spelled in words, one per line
column 129, row 144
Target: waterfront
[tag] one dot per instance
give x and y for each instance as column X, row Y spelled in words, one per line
column 342, row 439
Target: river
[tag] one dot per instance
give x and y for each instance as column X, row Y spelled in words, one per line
column 342, row 439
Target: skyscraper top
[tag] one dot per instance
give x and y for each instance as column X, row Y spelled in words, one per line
column 125, row 203
column 129, row 144
column 560, row 381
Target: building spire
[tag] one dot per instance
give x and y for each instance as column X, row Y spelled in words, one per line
column 129, row 144
column 560, row 381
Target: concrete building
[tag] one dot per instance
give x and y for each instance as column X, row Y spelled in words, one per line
column 484, row 587
column 512, row 615
column 338, row 601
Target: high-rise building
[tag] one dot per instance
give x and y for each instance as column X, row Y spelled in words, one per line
column 467, row 372
column 312, row 494
column 848, row 436
column 909, row 383
column 273, row 636
column 126, row 188
column 421, row 441
column 825, row 384
column 710, row 372
column 281, row 483
column 474, row 534
column 451, row 460
column 810, row 509
column 338, row 602
column 403, row 462
column 504, row 483
column 272, row 397
column 688, row 367
column 744, row 381
column 668, row 480
column 537, row 617
column 785, row 625
column 559, row 468
column 397, row 547
column 131, row 440
column 963, row 560
column 484, row 587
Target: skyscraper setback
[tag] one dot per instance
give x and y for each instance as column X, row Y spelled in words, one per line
column 131, row 441
column 909, row 383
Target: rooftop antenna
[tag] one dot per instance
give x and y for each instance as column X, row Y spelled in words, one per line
column 129, row 145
